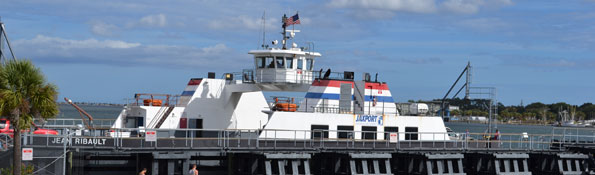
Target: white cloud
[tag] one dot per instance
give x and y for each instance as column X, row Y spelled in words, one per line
column 418, row 6
column 158, row 20
column 122, row 53
column 66, row 44
column 386, row 8
column 241, row 22
column 103, row 29
column 463, row 6
column 472, row 6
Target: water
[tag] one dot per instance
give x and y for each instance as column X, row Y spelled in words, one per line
column 97, row 112
column 503, row 128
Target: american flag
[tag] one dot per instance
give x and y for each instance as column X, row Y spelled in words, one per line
column 295, row 19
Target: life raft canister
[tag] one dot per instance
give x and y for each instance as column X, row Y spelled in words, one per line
column 153, row 102
column 291, row 107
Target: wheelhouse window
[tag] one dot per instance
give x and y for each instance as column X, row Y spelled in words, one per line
column 300, row 64
column 345, row 132
column 369, row 132
column 260, row 62
column 289, row 61
column 270, row 62
column 280, row 62
column 309, row 64
column 388, row 130
column 411, row 133
column 319, row 131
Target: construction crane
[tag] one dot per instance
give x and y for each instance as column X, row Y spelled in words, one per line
column 83, row 113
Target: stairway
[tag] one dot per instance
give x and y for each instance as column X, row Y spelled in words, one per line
column 359, row 97
column 163, row 117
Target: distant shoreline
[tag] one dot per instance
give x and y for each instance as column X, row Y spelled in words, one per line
column 92, row 104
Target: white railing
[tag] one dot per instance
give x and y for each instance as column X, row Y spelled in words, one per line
column 304, row 139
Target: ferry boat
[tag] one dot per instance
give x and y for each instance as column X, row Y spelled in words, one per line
column 335, row 105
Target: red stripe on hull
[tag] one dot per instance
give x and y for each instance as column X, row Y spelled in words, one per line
column 337, row 83
column 194, row 81
column 330, row 83
column 377, row 86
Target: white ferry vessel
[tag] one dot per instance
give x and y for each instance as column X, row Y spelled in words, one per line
column 336, row 104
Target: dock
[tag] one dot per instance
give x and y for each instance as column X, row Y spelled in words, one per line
column 103, row 151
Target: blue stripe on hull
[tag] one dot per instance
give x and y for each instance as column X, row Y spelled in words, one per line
column 337, row 97
column 188, row 93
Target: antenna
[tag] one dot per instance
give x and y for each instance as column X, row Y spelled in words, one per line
column 263, row 29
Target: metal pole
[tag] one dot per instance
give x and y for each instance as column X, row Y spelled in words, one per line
column 7, row 42
column 449, row 90
column 1, row 42
column 490, row 118
column 468, row 82
column 66, row 134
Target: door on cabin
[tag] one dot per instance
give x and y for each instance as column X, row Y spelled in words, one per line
column 196, row 124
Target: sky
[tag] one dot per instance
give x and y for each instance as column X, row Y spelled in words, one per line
column 105, row 51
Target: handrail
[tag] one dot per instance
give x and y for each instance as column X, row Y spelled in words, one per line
column 242, row 139
column 157, row 116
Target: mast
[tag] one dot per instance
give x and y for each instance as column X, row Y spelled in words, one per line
column 263, row 29
column 284, row 19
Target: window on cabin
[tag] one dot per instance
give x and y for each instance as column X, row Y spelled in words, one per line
column 368, row 132
column 289, row 61
column 345, row 132
column 309, row 64
column 319, row 131
column 260, row 62
column 300, row 63
column 411, row 133
column 388, row 130
column 280, row 62
column 270, row 62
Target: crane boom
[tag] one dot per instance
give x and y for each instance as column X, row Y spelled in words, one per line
column 82, row 112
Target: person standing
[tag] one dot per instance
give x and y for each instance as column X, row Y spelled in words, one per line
column 143, row 172
column 193, row 171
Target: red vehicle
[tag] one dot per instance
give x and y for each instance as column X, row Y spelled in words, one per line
column 6, row 128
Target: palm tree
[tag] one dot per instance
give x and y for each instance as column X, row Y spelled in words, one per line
column 24, row 95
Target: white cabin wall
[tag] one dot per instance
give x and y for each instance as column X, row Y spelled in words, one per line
column 207, row 104
column 221, row 108
column 248, row 112
column 119, row 123
column 173, row 120
column 301, row 121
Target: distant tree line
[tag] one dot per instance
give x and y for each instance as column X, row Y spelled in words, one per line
column 533, row 111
